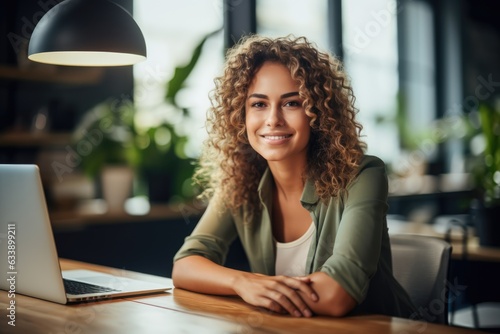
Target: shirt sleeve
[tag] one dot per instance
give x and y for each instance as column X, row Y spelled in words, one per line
column 357, row 245
column 212, row 236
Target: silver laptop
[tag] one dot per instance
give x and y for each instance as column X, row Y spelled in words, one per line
column 29, row 263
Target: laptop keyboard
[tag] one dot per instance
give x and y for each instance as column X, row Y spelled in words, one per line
column 80, row 288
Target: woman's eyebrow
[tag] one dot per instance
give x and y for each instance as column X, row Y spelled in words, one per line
column 284, row 96
column 259, row 96
column 263, row 96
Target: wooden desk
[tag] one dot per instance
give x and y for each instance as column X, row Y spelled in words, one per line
column 181, row 311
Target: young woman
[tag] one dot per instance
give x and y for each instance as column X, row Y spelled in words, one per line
column 285, row 171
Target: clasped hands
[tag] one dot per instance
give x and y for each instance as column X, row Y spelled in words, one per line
column 280, row 294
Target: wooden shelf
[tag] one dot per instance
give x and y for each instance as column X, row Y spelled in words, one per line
column 53, row 74
column 96, row 214
column 27, row 139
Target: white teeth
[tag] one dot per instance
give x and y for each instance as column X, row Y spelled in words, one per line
column 275, row 137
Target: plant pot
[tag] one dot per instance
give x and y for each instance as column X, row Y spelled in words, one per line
column 116, row 182
column 487, row 222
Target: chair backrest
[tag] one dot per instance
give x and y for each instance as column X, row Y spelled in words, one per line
column 420, row 264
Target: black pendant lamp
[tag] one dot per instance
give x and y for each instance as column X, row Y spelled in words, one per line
column 87, row 33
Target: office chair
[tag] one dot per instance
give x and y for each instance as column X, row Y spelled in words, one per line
column 420, row 264
column 482, row 314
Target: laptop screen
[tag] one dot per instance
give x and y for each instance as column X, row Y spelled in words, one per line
column 28, row 255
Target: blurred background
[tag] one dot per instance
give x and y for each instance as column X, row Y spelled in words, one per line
column 425, row 73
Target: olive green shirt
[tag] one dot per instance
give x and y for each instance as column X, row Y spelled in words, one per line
column 351, row 243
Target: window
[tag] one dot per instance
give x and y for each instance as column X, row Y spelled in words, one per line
column 301, row 18
column 371, row 60
column 172, row 30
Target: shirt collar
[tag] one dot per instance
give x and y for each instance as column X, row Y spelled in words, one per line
column 265, row 188
column 308, row 199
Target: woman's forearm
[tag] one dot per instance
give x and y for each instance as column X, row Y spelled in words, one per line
column 333, row 299
column 275, row 293
column 199, row 274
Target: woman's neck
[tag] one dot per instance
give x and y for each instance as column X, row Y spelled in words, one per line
column 289, row 219
column 288, row 178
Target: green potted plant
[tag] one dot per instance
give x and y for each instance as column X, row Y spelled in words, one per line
column 104, row 141
column 486, row 172
column 105, row 136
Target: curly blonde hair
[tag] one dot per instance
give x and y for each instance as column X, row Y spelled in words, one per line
column 228, row 165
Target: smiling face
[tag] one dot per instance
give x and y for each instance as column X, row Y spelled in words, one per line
column 276, row 123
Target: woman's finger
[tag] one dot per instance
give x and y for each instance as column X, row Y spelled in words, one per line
column 303, row 284
column 288, row 297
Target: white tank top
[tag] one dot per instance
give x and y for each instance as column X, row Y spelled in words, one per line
column 291, row 256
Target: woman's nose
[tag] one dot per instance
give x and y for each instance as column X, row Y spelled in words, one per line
column 274, row 117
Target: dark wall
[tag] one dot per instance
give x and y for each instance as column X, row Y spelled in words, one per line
column 481, row 51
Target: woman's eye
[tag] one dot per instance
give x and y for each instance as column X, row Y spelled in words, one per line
column 258, row 105
column 293, row 104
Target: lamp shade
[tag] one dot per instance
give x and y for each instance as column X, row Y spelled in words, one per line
column 87, row 33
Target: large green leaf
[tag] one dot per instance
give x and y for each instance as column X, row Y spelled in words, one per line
column 181, row 73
